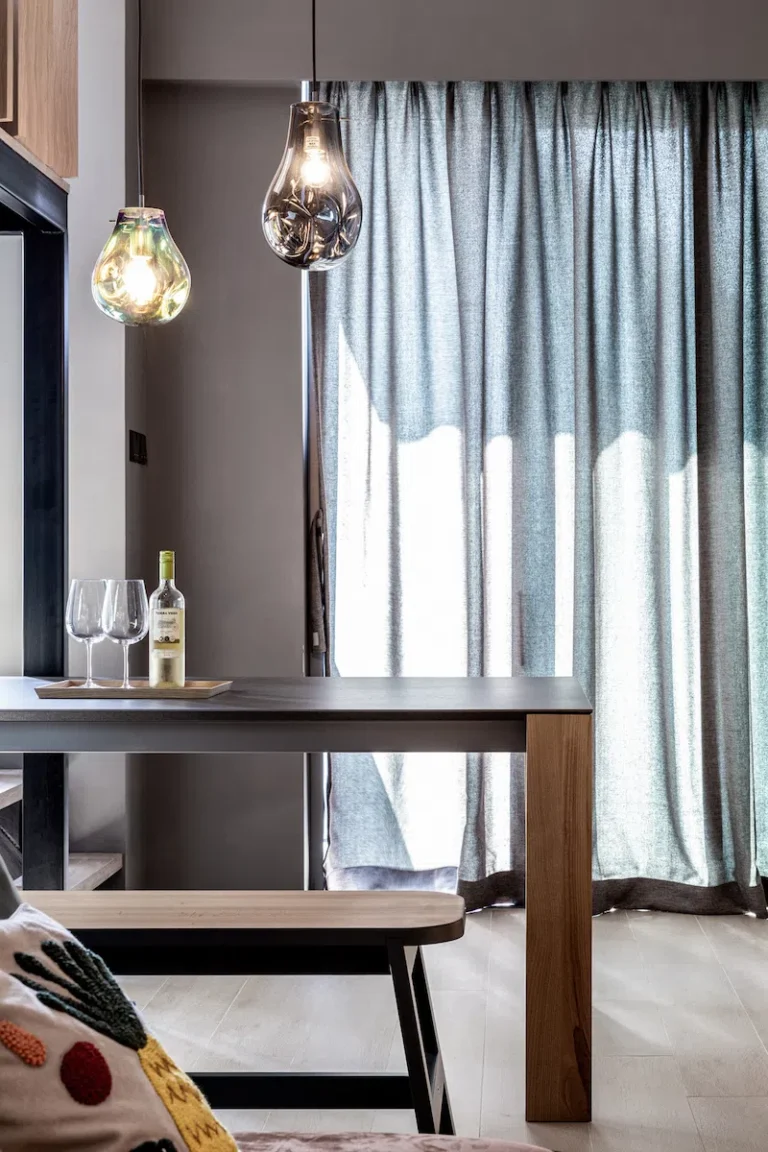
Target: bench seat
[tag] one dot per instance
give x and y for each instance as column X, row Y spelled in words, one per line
column 286, row 933
column 413, row 917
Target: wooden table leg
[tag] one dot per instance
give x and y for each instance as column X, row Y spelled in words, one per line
column 558, row 902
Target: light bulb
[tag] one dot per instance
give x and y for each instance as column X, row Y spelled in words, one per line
column 312, row 212
column 140, row 281
column 141, row 276
column 315, row 170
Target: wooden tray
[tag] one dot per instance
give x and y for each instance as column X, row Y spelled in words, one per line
column 113, row 690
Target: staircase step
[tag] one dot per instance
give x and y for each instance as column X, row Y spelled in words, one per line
column 89, row 870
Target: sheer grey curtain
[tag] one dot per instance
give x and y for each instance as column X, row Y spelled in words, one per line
column 543, row 383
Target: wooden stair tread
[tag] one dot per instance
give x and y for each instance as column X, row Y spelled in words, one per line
column 428, row 917
column 87, row 870
column 10, row 787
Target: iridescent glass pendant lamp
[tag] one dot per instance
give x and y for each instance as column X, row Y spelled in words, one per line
column 312, row 212
column 141, row 276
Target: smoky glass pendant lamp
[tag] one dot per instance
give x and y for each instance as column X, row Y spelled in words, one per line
column 141, row 277
column 313, row 212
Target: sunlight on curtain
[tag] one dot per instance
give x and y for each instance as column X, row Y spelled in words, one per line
column 543, row 381
column 565, row 550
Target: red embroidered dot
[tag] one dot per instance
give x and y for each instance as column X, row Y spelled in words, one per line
column 85, row 1074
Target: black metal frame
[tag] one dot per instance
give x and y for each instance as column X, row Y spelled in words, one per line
column 204, row 952
column 35, row 206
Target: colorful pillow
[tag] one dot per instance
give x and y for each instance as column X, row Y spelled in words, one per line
column 78, row 1070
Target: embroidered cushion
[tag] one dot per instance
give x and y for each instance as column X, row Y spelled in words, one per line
column 78, row 1070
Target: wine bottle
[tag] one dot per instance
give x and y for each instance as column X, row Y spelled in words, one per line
column 166, row 629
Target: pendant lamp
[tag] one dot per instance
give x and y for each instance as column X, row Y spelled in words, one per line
column 141, row 276
column 312, row 212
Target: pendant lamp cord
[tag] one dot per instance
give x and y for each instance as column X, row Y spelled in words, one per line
column 314, row 50
column 139, row 106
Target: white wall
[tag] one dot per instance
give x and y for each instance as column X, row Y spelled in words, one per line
column 11, row 454
column 97, row 437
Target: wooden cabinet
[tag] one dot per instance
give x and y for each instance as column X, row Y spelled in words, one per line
column 6, row 62
column 38, row 79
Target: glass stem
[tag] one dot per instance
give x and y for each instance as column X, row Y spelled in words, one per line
column 126, row 681
column 88, row 664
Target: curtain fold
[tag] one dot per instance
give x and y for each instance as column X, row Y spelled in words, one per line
column 543, row 382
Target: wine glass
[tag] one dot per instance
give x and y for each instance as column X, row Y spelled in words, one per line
column 126, row 616
column 85, row 605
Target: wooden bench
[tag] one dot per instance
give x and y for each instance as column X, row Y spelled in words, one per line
column 286, row 933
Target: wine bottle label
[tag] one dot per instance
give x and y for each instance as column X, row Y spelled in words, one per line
column 167, row 628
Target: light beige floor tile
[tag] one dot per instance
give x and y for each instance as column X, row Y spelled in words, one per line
column 666, row 938
column 141, row 989
column 508, row 924
column 732, row 1125
column 503, row 1113
column 628, row 1028
column 737, row 940
column 611, row 926
column 618, row 972
column 694, row 1028
column 395, row 1121
column 318, row 1120
column 324, row 1024
column 193, row 1005
column 350, row 1026
column 185, row 1012
column 239, row 1122
column 737, row 1072
column 506, row 968
column 747, row 973
column 504, row 1029
column 640, row 1106
column 759, row 1020
column 462, row 966
column 735, row 937
column 702, row 984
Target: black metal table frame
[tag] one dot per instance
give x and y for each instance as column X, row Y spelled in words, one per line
column 207, row 952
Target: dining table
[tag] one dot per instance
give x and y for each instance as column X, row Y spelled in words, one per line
column 547, row 718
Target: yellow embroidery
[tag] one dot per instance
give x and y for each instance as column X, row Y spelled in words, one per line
column 190, row 1112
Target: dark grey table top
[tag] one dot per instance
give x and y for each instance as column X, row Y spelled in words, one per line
column 297, row 715
column 374, row 698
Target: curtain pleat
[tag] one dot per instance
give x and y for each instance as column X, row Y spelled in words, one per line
column 543, row 377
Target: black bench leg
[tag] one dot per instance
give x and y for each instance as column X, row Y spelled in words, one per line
column 431, row 1042
column 422, row 1050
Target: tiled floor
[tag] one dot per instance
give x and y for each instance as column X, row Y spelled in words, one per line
column 680, row 1033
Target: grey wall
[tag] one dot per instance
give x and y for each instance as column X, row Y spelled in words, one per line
column 242, row 41
column 224, row 485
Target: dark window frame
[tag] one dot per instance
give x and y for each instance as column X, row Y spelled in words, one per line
column 36, row 206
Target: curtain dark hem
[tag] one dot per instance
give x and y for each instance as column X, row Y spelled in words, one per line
column 509, row 888
column 668, row 896
column 499, row 888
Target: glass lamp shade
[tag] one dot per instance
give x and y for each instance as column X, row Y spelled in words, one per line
column 141, row 276
column 313, row 211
